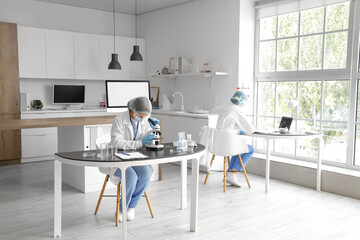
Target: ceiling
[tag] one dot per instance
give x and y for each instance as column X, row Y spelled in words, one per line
column 121, row 6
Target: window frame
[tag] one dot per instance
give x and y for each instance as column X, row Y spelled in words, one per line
column 351, row 73
column 305, row 74
column 354, row 84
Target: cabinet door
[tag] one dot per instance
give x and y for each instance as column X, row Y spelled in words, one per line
column 171, row 125
column 87, row 56
column 124, row 48
column 10, row 143
column 39, row 142
column 32, row 54
column 9, row 71
column 60, row 54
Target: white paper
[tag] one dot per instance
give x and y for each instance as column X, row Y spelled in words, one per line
column 131, row 155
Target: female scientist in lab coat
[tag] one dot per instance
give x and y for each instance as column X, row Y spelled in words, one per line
column 129, row 131
column 232, row 119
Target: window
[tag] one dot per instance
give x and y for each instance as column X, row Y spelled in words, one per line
column 312, row 39
column 323, row 106
column 306, row 55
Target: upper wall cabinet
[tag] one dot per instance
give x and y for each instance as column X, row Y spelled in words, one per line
column 32, row 53
column 124, row 48
column 59, row 54
column 45, row 53
column 87, row 56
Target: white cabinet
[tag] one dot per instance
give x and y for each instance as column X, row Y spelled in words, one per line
column 172, row 123
column 46, row 53
column 78, row 138
column 124, row 49
column 38, row 144
column 60, row 54
column 32, row 53
column 87, row 56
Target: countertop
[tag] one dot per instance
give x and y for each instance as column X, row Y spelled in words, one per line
column 184, row 114
column 71, row 110
column 54, row 122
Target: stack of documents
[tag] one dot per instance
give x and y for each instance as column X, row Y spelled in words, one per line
column 131, row 155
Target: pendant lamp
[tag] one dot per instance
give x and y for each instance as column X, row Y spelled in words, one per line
column 114, row 64
column 136, row 56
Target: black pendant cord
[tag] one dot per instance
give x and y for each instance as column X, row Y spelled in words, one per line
column 114, row 22
column 136, row 22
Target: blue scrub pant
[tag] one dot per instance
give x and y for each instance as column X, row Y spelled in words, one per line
column 137, row 180
column 245, row 157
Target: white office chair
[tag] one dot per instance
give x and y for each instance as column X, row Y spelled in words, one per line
column 227, row 144
column 105, row 139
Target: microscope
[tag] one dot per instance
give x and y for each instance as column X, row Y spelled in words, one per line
column 155, row 144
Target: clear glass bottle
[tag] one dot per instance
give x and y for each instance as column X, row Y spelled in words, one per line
column 190, row 144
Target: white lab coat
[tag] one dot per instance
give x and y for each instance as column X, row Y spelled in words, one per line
column 232, row 119
column 122, row 132
column 206, row 138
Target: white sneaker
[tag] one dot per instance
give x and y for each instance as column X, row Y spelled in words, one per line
column 120, row 216
column 232, row 179
column 131, row 214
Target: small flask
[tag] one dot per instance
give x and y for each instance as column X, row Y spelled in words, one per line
column 190, row 144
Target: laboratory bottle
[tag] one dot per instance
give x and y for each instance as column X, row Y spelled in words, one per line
column 190, row 144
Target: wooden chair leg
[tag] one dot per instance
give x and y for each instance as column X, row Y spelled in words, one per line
column 149, row 205
column 117, row 204
column 243, row 167
column 228, row 158
column 224, row 174
column 101, row 194
column 207, row 174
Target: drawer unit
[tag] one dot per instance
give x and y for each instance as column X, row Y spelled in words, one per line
column 38, row 144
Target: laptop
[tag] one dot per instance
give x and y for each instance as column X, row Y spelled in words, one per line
column 285, row 122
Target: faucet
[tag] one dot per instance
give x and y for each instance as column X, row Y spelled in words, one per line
column 182, row 99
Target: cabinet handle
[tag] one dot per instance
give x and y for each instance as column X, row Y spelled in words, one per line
column 41, row 135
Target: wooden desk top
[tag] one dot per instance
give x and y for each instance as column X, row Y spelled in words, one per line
column 54, row 122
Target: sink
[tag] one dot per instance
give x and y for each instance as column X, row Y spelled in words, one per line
column 192, row 111
column 200, row 111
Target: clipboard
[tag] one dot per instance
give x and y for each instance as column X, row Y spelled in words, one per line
column 131, row 155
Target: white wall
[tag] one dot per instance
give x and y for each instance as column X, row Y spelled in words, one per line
column 202, row 31
column 62, row 17
column 66, row 18
column 42, row 89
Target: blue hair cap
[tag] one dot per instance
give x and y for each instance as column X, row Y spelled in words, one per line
column 140, row 105
column 238, row 98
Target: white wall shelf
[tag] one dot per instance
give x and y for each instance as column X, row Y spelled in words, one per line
column 208, row 75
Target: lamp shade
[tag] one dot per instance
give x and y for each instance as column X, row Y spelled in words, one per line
column 136, row 56
column 114, row 64
column 293, row 103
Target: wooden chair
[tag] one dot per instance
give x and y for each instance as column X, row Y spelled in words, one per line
column 227, row 144
column 106, row 138
column 117, row 200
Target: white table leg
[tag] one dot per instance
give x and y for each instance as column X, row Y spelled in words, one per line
column 57, row 198
column 318, row 176
column 267, row 167
column 123, row 202
column 194, row 194
column 183, row 184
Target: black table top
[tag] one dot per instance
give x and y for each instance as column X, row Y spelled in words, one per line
column 168, row 151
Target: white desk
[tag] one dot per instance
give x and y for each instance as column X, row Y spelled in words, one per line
column 292, row 135
column 76, row 159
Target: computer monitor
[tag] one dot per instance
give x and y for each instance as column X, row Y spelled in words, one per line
column 119, row 92
column 68, row 94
